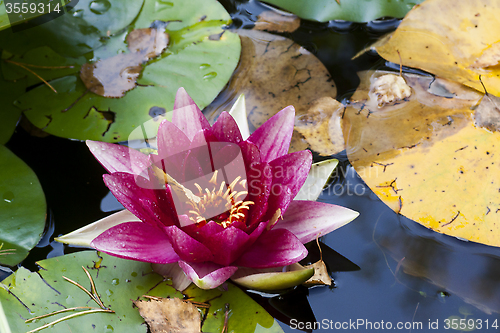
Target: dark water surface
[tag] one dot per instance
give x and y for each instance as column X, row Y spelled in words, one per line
column 407, row 272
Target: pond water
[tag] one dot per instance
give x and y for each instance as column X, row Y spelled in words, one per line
column 406, row 274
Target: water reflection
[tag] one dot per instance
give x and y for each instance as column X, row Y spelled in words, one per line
column 408, row 273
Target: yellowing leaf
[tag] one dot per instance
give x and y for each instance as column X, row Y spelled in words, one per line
column 426, row 159
column 457, row 40
column 170, row 315
column 320, row 126
column 274, row 72
column 277, row 21
column 321, row 276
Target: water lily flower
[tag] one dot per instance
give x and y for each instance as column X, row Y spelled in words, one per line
column 212, row 201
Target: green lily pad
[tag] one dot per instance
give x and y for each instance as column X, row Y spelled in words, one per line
column 43, row 61
column 77, row 32
column 22, row 208
column 200, row 57
column 9, row 114
column 118, row 282
column 347, row 10
column 244, row 314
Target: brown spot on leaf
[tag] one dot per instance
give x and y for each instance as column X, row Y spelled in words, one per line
column 114, row 76
column 487, row 114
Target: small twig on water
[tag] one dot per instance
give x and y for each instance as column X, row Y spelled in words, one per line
column 226, row 319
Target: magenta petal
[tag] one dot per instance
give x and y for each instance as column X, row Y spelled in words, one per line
column 225, row 129
column 259, row 177
column 310, row 219
column 207, row 275
column 171, row 140
column 188, row 248
column 228, row 245
column 116, row 158
column 274, row 136
column 187, row 116
column 136, row 241
column 251, row 154
column 203, row 234
column 291, row 170
column 272, row 249
column 140, row 201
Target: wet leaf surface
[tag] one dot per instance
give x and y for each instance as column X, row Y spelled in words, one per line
column 83, row 29
column 205, row 62
column 22, row 208
column 273, row 73
column 119, row 282
column 357, row 11
column 425, row 158
column 457, row 41
column 170, row 315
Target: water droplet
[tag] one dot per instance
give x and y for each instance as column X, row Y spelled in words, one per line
column 115, row 282
column 108, row 329
column 8, row 196
column 203, row 66
column 209, row 76
column 69, row 300
column 161, row 5
column 109, row 292
column 100, row 6
column 134, row 274
column 78, row 13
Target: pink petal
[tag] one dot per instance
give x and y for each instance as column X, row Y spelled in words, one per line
column 259, row 178
column 272, row 249
column 116, row 158
column 251, row 154
column 289, row 174
column 136, row 241
column 171, row 140
column 228, row 245
column 274, row 136
column 146, row 204
column 187, row 116
column 311, row 219
column 179, row 280
column 207, row 275
column 225, row 129
column 188, row 248
column 291, row 170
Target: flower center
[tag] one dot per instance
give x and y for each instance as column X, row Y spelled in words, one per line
column 223, row 204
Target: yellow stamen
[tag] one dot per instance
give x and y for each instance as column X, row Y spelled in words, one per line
column 213, row 180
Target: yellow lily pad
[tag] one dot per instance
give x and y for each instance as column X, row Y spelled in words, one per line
column 425, row 157
column 457, row 40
